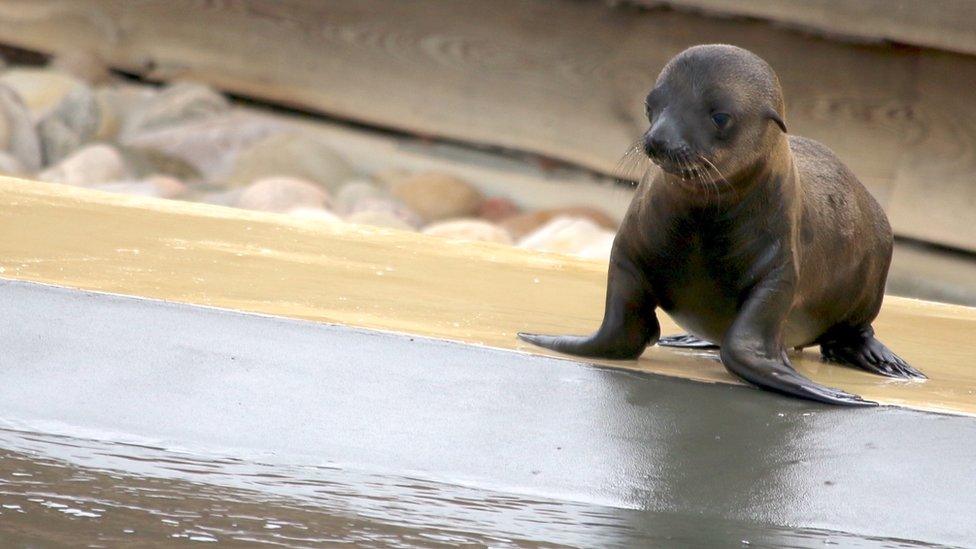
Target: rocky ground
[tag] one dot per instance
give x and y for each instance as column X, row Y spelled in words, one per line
column 73, row 122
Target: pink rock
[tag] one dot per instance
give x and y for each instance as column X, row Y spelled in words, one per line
column 282, row 194
column 166, row 186
column 497, row 208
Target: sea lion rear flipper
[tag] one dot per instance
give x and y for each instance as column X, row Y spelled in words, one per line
column 686, row 341
column 859, row 348
column 752, row 350
column 629, row 324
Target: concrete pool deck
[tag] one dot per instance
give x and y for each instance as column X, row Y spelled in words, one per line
column 537, row 449
column 363, row 277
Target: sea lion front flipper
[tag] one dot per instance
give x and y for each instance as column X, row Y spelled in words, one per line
column 859, row 348
column 629, row 324
column 686, row 341
column 752, row 349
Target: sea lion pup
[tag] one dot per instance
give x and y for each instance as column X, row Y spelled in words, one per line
column 747, row 237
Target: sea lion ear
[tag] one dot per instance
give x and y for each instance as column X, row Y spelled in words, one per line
column 775, row 117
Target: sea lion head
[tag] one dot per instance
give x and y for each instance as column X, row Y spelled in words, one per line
column 714, row 112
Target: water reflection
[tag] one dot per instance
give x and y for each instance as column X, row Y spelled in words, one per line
column 61, row 491
column 745, row 466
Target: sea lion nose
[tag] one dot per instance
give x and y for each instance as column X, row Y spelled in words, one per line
column 655, row 144
column 660, row 139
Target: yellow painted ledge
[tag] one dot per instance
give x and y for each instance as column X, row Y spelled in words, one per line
column 404, row 282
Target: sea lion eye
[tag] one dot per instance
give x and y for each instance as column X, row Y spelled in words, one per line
column 721, row 120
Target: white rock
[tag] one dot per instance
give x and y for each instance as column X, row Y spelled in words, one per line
column 384, row 207
column 568, row 235
column 355, row 192
column 474, row 230
column 89, row 165
column 159, row 186
column 600, row 247
column 379, row 218
column 283, row 194
column 9, row 165
column 315, row 214
column 210, row 145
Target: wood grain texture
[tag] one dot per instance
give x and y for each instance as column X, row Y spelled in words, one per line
column 943, row 24
column 563, row 79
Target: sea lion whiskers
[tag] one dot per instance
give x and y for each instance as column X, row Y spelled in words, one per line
column 631, row 164
column 710, row 166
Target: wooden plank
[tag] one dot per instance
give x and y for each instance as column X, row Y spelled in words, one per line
column 406, row 282
column 516, row 74
column 943, row 24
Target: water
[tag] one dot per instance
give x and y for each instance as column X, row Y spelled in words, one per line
column 65, row 491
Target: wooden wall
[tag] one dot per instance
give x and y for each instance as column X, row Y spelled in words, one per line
column 941, row 24
column 560, row 78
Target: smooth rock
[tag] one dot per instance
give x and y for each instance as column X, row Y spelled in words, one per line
column 221, row 197
column 355, row 192
column 475, row 230
column 294, row 154
column 600, row 247
column 389, row 206
column 167, row 186
column 568, row 235
column 41, row 90
column 83, row 65
column 9, row 165
column 159, row 186
column 497, row 208
column 116, row 104
column 210, row 145
column 145, row 162
column 71, row 124
column 388, row 176
column 177, row 103
column 90, row 165
column 379, row 218
column 436, row 196
column 283, row 194
column 522, row 224
column 17, row 134
column 315, row 214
